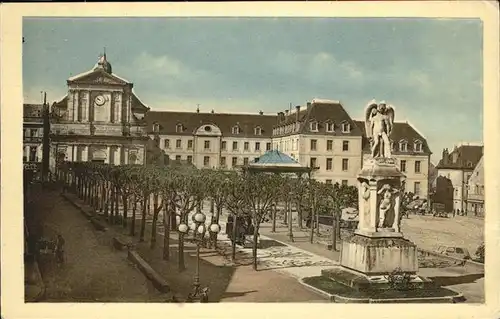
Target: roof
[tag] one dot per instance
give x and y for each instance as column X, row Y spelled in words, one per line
column 322, row 112
column 274, row 158
column 462, row 157
column 191, row 121
column 33, row 110
column 402, row 131
column 477, row 176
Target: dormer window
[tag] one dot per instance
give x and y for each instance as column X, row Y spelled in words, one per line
column 330, row 127
column 403, row 146
column 236, row 129
column 258, row 130
column 346, row 127
column 314, row 126
column 179, row 128
column 156, row 127
column 418, row 146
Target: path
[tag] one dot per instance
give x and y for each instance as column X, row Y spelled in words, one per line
column 93, row 271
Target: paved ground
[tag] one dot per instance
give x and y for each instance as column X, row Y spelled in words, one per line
column 93, row 271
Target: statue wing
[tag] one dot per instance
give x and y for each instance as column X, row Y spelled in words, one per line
column 390, row 114
column 368, row 112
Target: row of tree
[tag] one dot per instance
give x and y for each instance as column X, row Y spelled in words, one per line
column 123, row 192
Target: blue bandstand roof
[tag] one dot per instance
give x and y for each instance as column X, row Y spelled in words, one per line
column 276, row 158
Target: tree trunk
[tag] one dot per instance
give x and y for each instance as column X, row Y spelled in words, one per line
column 337, row 224
column 285, row 215
column 125, row 210
column 273, row 217
column 111, row 204
column 299, row 214
column 117, row 205
column 132, row 222
column 156, row 211
column 233, row 242
column 288, row 207
column 317, row 224
column 166, row 231
column 182, row 266
column 334, row 234
column 254, row 247
column 106, row 200
column 143, row 217
column 313, row 213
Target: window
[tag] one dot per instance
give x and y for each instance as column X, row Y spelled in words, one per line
column 330, row 127
column 418, row 147
column 206, row 161
column 235, row 146
column 207, row 145
column 178, row 128
column 246, row 146
column 222, row 161
column 417, row 166
column 32, row 154
column 268, row 146
column 402, row 165
column 314, row 126
column 234, row 161
column 258, row 131
column 313, row 145
column 245, row 160
column 223, row 145
column 346, row 127
column 236, row 129
column 190, row 144
column 345, row 146
column 156, row 127
column 257, row 146
column 345, row 164
column 167, row 143
column 403, row 146
column 313, row 162
column 329, row 162
column 190, row 159
column 416, row 188
column 178, row 143
column 328, row 181
column 329, row 145
column 345, row 182
column 177, row 157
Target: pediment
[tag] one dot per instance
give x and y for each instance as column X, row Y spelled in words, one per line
column 97, row 77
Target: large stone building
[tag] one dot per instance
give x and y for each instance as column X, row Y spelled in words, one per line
column 32, row 133
column 320, row 135
column 100, row 119
column 458, row 166
column 475, row 187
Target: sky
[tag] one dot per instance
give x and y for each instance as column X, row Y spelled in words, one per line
column 430, row 70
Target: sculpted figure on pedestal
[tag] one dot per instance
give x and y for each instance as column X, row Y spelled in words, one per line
column 387, row 205
column 379, row 120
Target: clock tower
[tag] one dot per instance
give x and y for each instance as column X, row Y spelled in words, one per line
column 99, row 119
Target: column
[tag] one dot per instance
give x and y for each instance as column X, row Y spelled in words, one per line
column 27, row 153
column 125, row 156
column 85, row 153
column 87, row 95
column 117, row 102
column 76, row 107
column 71, row 105
column 119, row 156
column 374, row 216
column 108, row 155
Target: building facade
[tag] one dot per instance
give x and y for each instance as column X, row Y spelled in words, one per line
column 320, row 135
column 475, row 194
column 100, row 119
column 458, row 166
column 32, row 133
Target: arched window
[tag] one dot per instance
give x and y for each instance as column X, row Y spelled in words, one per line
column 179, row 128
column 236, row 129
column 403, row 146
column 346, row 127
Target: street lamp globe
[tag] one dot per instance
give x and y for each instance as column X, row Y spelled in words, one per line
column 199, row 217
column 214, row 228
column 183, row 228
column 201, row 229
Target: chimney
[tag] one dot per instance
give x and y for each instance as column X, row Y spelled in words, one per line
column 286, row 114
column 297, row 111
column 261, row 113
column 308, row 105
column 198, row 108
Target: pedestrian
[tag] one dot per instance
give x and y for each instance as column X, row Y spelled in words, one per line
column 60, row 249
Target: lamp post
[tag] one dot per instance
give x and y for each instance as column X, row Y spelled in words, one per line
column 198, row 229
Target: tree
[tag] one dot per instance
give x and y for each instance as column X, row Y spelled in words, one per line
column 259, row 193
column 218, row 192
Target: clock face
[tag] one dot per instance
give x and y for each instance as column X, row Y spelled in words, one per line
column 100, row 100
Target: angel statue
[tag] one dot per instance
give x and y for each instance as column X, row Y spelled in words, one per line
column 379, row 120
